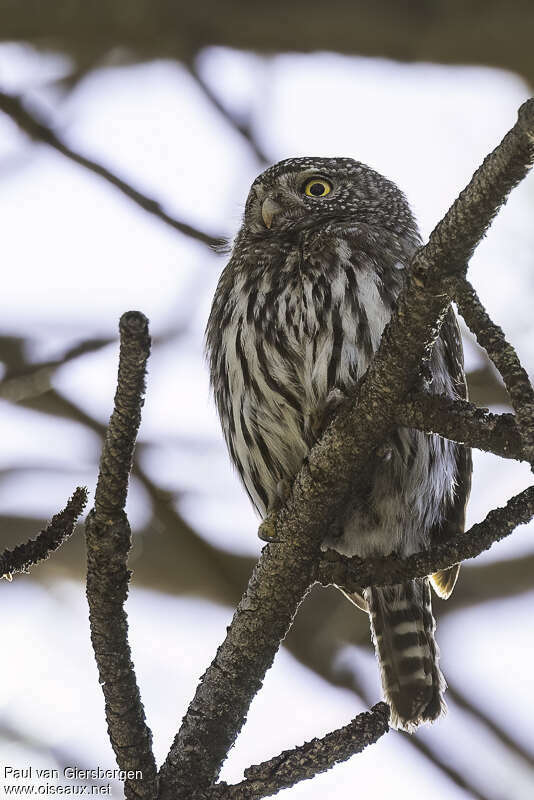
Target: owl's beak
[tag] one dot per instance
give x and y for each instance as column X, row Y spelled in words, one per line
column 269, row 209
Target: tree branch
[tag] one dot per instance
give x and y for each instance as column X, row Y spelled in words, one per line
column 287, row 566
column 453, row 774
column 492, row 338
column 308, row 760
column 479, row 714
column 463, row 422
column 26, row 555
column 441, row 32
column 33, row 380
column 36, row 129
column 353, row 573
column 243, row 129
column 108, row 543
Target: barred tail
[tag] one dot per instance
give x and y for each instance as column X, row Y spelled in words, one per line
column 403, row 628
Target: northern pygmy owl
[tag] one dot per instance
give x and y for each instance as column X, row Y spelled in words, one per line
column 315, row 271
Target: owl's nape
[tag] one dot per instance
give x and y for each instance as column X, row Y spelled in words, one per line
column 315, row 272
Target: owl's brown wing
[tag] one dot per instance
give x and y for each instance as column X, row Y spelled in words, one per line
column 454, row 521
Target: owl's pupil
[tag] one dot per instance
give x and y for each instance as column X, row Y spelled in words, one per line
column 317, row 189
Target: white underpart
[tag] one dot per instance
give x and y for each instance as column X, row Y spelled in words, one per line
column 408, row 508
column 377, row 314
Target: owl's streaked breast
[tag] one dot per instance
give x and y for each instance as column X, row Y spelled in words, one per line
column 296, row 327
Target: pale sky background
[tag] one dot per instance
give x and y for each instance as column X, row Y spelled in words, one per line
column 77, row 254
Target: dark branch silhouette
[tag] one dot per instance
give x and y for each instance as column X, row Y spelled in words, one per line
column 39, row 131
column 440, row 32
column 466, row 704
column 26, row 555
column 453, row 774
column 35, row 379
column 242, row 128
column 108, row 543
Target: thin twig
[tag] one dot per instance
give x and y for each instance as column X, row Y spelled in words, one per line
column 464, row 422
column 38, row 130
column 26, row 555
column 492, row 338
column 464, row 702
column 308, row 760
column 452, row 773
column 243, row 129
column 351, row 573
column 35, row 379
column 108, row 543
column 282, row 576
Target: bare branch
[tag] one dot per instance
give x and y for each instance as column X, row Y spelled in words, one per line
column 351, row 573
column 41, row 132
column 243, row 129
column 284, row 572
column 505, row 358
column 408, row 32
column 308, row 760
column 453, row 774
column 24, row 556
column 32, row 380
column 463, row 422
column 478, row 713
column 108, row 543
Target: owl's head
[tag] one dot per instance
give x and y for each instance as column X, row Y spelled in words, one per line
column 302, row 193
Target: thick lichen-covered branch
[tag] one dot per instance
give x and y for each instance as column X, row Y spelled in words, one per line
column 308, row 760
column 108, row 544
column 463, row 422
column 353, row 573
column 40, row 132
column 282, row 576
column 26, row 555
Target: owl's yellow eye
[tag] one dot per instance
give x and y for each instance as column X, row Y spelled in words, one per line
column 317, row 187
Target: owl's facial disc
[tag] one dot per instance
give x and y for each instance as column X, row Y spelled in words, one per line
column 289, row 198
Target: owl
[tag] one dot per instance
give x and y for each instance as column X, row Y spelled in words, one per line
column 314, row 274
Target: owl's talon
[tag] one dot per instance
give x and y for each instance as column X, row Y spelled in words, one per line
column 318, row 419
column 283, row 489
column 384, row 452
column 267, row 531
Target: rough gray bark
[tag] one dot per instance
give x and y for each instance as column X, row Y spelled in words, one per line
column 353, row 573
column 463, row 422
column 491, row 337
column 307, row 760
column 108, row 545
column 26, row 555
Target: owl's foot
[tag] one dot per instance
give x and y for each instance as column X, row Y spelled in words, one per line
column 267, row 530
column 283, row 488
column 384, row 452
column 318, row 420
